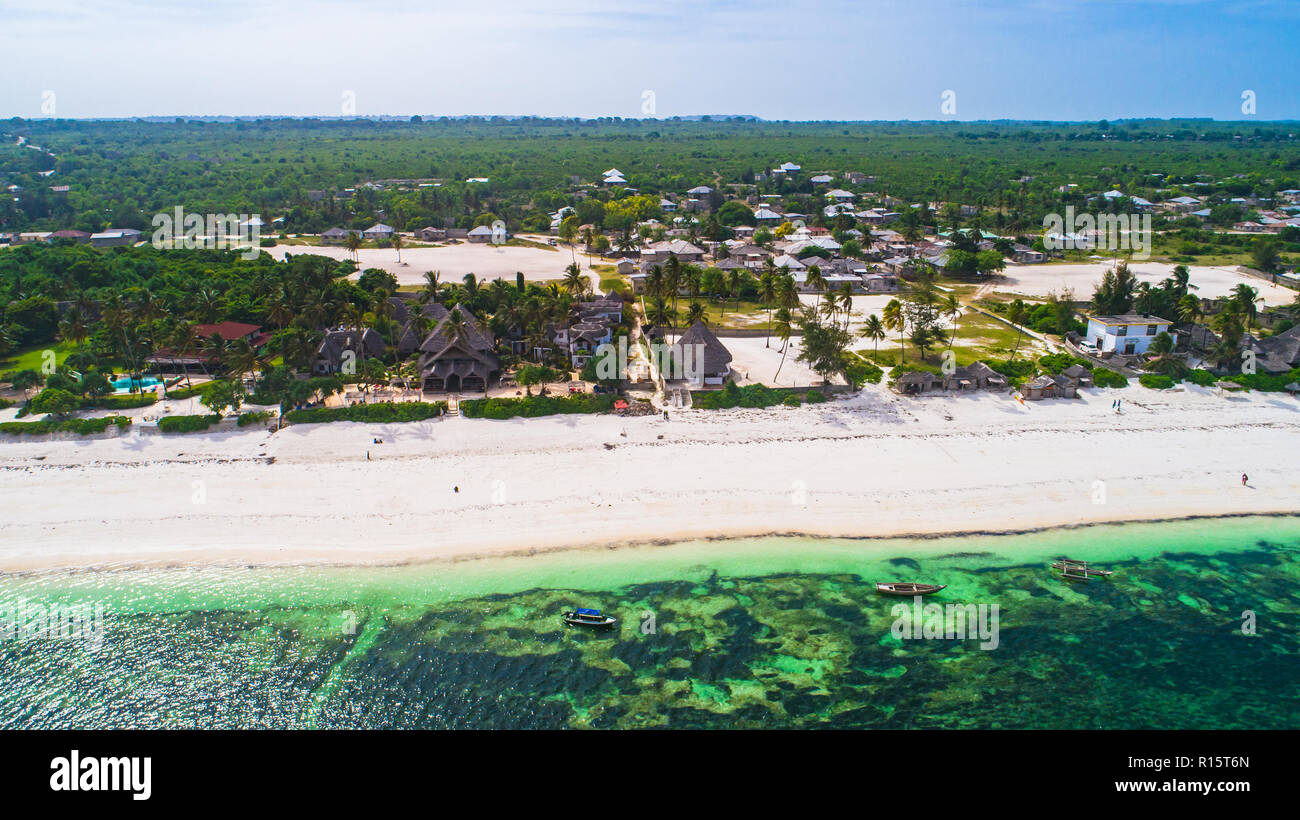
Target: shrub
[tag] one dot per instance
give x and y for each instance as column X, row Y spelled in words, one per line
column 187, row 392
column 187, row 424
column 254, row 418
column 860, row 372
column 124, row 402
column 1202, row 377
column 1054, row 363
column 1265, row 382
column 792, row 401
column 378, row 413
column 537, row 406
column 1105, row 377
column 733, row 395
column 83, row 427
column 1155, row 381
column 814, row 397
column 1016, row 370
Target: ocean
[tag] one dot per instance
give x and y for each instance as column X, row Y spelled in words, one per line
column 1199, row 627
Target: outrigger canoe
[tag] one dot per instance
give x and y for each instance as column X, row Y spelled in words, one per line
column 907, row 590
column 589, row 617
column 1079, row 569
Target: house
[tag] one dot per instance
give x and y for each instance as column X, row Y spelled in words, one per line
column 1081, row 375
column 115, row 237
column 378, row 232
column 1025, row 255
column 1128, row 334
column 700, row 190
column 345, row 348
column 625, row 267
column 334, row 236
column 915, row 382
column 480, row 234
column 80, row 237
column 767, row 216
column 458, row 354
column 698, row 358
column 974, row 376
column 1276, row 354
column 431, row 234
column 1049, row 387
column 821, row 179
column 841, row 195
column 166, row 360
column 683, row 250
column 858, row 178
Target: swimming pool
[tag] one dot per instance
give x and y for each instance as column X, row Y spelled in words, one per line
column 127, row 384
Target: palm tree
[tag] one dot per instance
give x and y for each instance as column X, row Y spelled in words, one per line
column 74, row 327
column 695, row 312
column 1017, row 313
column 767, row 295
column 1245, row 298
column 574, row 280
column 1189, row 309
column 353, row 243
column 951, row 308
column 815, row 280
column 735, row 281
column 896, row 319
column 784, row 327
column 396, row 240
column 429, row 293
column 873, row 329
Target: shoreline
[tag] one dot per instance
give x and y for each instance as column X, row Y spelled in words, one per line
column 128, row 564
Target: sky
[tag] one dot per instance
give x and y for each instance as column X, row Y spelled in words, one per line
column 791, row 60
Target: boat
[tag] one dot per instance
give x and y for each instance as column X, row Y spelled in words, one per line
column 589, row 617
column 1079, row 569
column 907, row 589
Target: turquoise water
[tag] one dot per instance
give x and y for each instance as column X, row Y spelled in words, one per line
column 781, row 632
column 126, row 384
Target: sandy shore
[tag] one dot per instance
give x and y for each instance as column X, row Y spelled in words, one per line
column 1207, row 282
column 873, row 465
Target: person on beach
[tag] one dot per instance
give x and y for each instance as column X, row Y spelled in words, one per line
column 1244, row 479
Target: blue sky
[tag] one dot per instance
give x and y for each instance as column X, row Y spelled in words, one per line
column 865, row 60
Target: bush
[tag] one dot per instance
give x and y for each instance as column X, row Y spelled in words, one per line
column 1204, row 378
column 379, row 413
column 254, row 418
column 860, row 372
column 187, row 392
column 792, row 401
column 123, row 402
column 814, row 397
column 733, row 395
column 1054, row 363
column 1265, row 382
column 1155, row 381
column 187, row 424
column 82, row 427
column 1017, row 371
column 537, row 406
column 1105, row 377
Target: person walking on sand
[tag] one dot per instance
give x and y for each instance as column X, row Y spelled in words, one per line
column 1244, row 479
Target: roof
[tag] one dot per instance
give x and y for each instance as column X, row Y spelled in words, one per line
column 367, row 343
column 716, row 356
column 477, row 341
column 1130, row 319
column 227, row 330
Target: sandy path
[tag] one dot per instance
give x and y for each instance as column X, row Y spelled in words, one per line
column 874, row 465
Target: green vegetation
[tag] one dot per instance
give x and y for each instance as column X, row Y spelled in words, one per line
column 753, row 395
column 1155, row 381
column 1105, row 377
column 533, row 406
column 256, row 417
column 82, row 427
column 377, row 413
column 187, row 424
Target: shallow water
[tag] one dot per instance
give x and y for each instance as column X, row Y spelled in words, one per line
column 782, row 632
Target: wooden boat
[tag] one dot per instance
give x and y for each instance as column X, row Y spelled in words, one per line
column 589, row 617
column 1079, row 569
column 907, row 590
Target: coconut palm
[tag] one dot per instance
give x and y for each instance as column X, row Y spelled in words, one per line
column 873, row 329
column 783, row 328
column 353, row 243
column 1245, row 297
column 574, row 280
column 1017, row 312
column 695, row 312
column 896, row 319
column 396, row 241
column 951, row 308
column 767, row 295
column 1189, row 309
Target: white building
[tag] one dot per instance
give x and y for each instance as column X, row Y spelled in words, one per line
column 1129, row 334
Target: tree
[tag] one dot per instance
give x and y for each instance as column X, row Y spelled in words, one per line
column 1245, row 298
column 54, row 401
column 1264, row 255
column 396, row 241
column 874, row 330
column 353, row 243
column 222, row 395
column 823, row 346
column 1114, row 295
column 784, row 327
column 695, row 312
column 1017, row 313
column 951, row 309
column 896, row 319
column 767, row 295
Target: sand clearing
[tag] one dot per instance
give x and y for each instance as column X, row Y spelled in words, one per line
column 872, row 465
column 485, row 261
column 1207, row 282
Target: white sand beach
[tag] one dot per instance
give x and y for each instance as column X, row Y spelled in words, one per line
column 872, row 465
